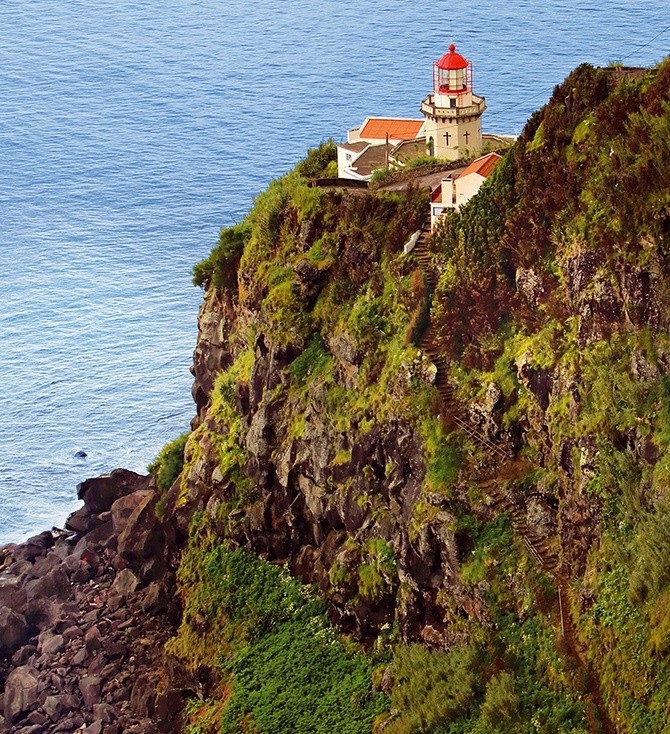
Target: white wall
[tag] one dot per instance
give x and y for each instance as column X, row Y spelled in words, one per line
column 467, row 187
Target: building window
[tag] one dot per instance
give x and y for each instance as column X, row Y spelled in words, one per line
column 431, row 146
column 452, row 102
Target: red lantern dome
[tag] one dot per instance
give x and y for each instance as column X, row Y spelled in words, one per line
column 452, row 74
column 452, row 60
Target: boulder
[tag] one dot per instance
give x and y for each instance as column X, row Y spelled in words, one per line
column 21, row 691
column 103, row 712
column 53, row 585
column 97, row 539
column 41, row 612
column 81, row 520
column 125, row 583
column 89, row 686
column 100, row 493
column 124, row 507
column 53, row 707
column 13, row 631
column 23, row 655
column 155, row 599
column 37, row 719
column 34, row 547
column 142, row 537
column 49, row 643
column 45, row 564
column 92, row 639
column 12, row 594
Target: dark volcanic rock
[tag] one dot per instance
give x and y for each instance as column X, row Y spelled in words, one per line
column 21, row 691
column 142, row 538
column 13, row 630
column 124, row 507
column 55, row 585
column 89, row 686
column 79, row 638
column 100, row 493
column 12, row 594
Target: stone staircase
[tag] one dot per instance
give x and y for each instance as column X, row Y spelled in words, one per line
column 541, row 549
column 422, row 256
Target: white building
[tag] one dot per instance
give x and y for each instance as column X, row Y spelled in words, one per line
column 460, row 185
column 371, row 145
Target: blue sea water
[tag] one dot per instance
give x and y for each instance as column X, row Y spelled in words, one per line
column 130, row 132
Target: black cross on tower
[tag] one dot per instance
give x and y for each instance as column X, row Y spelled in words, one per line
column 466, row 134
column 446, row 137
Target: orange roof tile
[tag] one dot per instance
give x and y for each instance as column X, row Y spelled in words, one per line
column 483, row 166
column 396, row 128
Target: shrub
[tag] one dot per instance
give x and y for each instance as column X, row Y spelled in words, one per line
column 168, row 464
column 220, row 268
column 500, row 707
column 432, row 688
column 289, row 669
column 311, row 360
column 315, row 165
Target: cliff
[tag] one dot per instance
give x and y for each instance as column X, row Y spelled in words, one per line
column 457, row 458
column 464, row 448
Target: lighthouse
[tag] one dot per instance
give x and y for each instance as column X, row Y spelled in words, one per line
column 453, row 112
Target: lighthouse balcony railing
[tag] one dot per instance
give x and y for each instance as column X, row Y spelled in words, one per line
column 429, row 107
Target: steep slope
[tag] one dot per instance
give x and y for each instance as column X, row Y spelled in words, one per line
column 481, row 469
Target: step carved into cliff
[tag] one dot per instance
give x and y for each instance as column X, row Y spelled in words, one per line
column 539, row 548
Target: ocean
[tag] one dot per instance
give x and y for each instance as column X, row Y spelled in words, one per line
column 131, row 132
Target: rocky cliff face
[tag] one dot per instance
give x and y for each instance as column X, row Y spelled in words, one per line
column 323, row 488
column 441, row 492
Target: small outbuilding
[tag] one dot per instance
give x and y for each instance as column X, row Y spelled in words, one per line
column 460, row 186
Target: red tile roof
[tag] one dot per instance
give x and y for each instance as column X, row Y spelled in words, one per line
column 396, row 128
column 483, row 166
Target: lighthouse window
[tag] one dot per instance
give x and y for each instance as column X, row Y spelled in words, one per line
column 452, row 101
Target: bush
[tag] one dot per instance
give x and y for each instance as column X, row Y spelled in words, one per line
column 311, row 361
column 168, row 464
column 432, row 688
column 289, row 669
column 220, row 268
column 315, row 165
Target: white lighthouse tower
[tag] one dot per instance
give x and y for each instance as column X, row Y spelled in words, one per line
column 453, row 113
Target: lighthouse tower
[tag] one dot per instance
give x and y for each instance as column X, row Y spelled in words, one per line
column 453, row 113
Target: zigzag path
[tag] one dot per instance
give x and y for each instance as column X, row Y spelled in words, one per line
column 543, row 550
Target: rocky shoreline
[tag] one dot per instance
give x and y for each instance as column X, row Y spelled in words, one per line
column 84, row 614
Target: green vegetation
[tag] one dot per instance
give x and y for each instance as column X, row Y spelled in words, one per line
column 283, row 667
column 168, row 464
column 318, row 161
column 220, row 268
column 517, row 685
column 541, row 293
